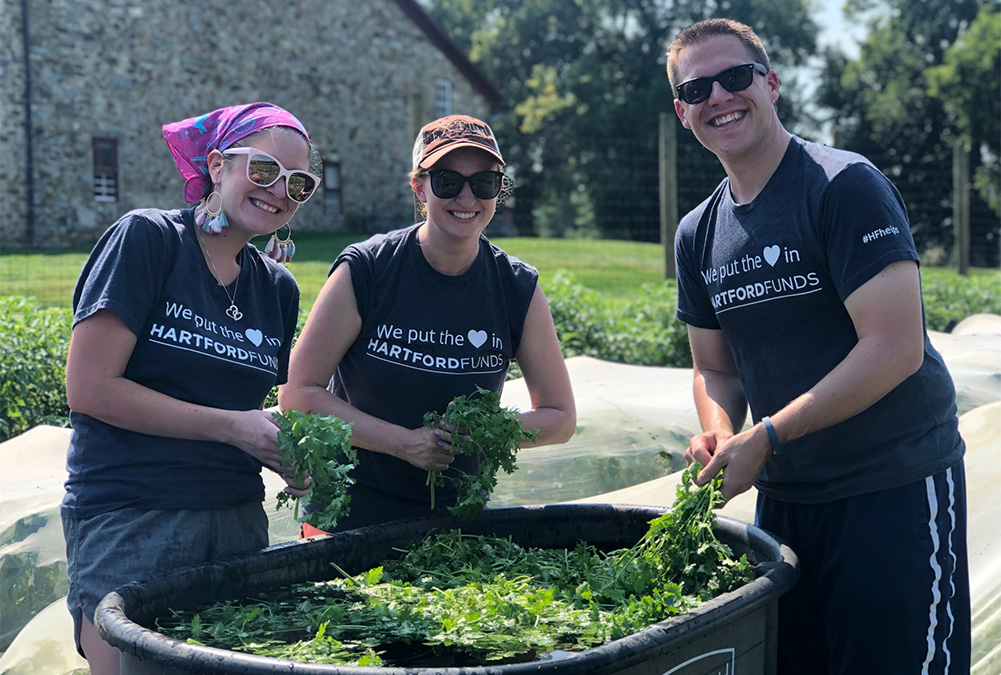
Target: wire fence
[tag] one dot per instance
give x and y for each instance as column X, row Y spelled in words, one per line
column 625, row 204
column 621, row 202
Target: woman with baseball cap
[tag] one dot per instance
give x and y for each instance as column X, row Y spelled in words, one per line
column 411, row 319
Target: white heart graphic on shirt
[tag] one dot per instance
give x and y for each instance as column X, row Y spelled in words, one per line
column 477, row 337
column 771, row 254
column 254, row 336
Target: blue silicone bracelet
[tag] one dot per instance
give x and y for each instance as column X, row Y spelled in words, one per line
column 772, row 436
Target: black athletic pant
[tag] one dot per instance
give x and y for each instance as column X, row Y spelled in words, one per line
column 884, row 587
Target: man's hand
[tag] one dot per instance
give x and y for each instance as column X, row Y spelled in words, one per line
column 742, row 456
column 702, row 447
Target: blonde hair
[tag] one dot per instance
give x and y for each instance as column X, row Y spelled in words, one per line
column 702, row 31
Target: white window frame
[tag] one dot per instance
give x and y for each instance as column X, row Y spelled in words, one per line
column 442, row 97
column 105, row 186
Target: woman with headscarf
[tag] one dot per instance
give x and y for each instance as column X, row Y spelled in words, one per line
column 181, row 328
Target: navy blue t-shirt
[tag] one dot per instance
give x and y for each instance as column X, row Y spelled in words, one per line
column 149, row 269
column 426, row 338
column 773, row 275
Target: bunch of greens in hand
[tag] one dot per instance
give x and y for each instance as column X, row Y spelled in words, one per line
column 486, row 431
column 321, row 446
column 681, row 545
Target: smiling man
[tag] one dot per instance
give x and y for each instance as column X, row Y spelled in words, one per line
column 798, row 279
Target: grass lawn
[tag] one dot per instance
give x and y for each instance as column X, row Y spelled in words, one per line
column 614, row 268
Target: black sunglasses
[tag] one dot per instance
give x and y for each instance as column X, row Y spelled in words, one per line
column 447, row 184
column 737, row 78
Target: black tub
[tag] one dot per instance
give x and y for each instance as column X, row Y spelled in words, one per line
column 734, row 633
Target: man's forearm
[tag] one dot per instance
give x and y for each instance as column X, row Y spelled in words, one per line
column 720, row 401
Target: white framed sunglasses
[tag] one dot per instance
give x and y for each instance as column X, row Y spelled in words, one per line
column 265, row 170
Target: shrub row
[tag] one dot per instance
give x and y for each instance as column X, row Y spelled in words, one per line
column 950, row 298
column 639, row 330
column 34, row 342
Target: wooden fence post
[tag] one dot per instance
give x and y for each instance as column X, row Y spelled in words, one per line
column 961, row 207
column 668, row 161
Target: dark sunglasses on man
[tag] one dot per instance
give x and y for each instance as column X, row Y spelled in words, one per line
column 737, row 78
column 447, row 184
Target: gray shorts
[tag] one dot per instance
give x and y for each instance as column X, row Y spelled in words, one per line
column 111, row 549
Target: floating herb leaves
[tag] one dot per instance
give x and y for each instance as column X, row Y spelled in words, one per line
column 321, row 445
column 493, row 435
column 473, row 600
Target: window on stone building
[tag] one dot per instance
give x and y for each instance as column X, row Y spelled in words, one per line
column 105, row 170
column 332, row 187
column 442, row 98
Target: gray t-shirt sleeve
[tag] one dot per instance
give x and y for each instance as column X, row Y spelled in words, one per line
column 864, row 226
column 126, row 271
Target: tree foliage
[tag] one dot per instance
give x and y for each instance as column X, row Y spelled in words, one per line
column 968, row 84
column 881, row 107
column 586, row 82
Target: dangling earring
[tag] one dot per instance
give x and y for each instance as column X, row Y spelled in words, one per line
column 212, row 221
column 281, row 250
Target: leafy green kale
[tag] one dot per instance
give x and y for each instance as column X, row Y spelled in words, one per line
column 320, row 445
column 492, row 435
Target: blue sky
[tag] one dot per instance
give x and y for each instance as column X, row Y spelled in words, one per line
column 834, row 29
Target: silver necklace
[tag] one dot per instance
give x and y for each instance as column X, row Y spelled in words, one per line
column 233, row 311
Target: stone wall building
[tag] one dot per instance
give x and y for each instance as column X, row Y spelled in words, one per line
column 94, row 80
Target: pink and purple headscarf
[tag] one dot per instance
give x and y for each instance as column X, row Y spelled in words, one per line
column 191, row 140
